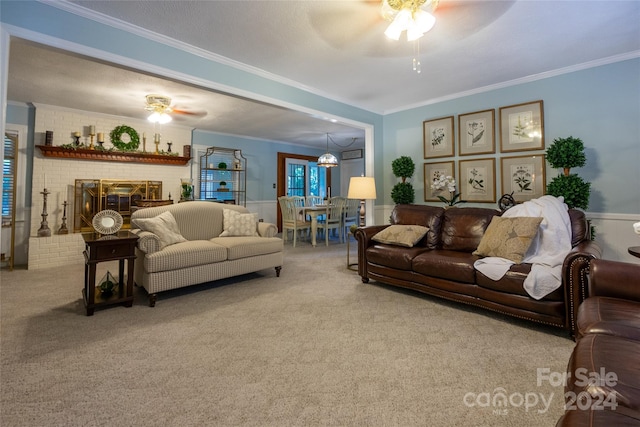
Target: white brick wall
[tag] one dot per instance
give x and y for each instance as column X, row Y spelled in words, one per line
column 60, row 175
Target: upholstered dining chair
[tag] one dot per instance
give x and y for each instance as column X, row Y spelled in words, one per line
column 291, row 219
column 333, row 220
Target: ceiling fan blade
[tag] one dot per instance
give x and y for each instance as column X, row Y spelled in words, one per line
column 200, row 113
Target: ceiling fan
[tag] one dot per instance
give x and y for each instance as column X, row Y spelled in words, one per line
column 160, row 106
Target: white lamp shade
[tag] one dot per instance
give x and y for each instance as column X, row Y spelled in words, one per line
column 362, row 188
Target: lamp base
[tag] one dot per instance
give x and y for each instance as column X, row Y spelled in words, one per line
column 362, row 212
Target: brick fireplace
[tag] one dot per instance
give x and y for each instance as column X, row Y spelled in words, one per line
column 59, row 176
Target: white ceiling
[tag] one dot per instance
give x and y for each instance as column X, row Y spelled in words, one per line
column 332, row 48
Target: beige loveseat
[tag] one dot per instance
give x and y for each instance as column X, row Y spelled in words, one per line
column 196, row 242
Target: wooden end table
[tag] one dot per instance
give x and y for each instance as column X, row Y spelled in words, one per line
column 113, row 247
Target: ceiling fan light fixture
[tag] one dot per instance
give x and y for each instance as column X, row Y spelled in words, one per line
column 159, row 117
column 411, row 16
column 424, row 20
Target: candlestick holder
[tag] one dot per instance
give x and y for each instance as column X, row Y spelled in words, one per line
column 77, row 140
column 169, row 144
column 91, row 147
column 157, row 144
column 63, row 228
column 44, row 230
column 144, row 143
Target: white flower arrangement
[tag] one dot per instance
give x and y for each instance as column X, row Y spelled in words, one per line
column 447, row 182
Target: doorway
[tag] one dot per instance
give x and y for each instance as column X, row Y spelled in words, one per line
column 299, row 175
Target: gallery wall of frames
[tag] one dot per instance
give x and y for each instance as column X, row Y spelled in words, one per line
column 519, row 128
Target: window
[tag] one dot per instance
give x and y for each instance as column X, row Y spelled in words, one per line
column 9, row 177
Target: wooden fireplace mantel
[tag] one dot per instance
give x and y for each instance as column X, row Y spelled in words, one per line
column 111, row 156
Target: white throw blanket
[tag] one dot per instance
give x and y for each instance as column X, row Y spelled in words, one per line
column 547, row 251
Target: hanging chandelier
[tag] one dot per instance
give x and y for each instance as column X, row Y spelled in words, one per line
column 327, row 160
column 413, row 16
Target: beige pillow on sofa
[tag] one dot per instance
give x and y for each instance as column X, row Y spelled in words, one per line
column 401, row 235
column 164, row 226
column 508, row 238
column 239, row 224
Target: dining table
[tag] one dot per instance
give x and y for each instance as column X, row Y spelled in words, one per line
column 314, row 212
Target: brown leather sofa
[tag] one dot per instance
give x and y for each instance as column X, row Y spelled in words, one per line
column 441, row 264
column 607, row 350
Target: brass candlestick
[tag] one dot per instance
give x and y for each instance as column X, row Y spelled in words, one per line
column 63, row 228
column 91, row 147
column 44, row 230
column 157, row 142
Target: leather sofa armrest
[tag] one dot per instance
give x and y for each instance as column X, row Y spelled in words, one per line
column 575, row 273
column 148, row 242
column 267, row 229
column 363, row 235
column 614, row 279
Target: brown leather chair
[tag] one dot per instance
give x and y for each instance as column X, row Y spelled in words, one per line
column 607, row 350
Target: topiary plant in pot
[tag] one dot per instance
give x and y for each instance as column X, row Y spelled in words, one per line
column 403, row 192
column 567, row 153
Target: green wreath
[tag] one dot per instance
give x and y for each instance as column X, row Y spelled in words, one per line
column 117, row 142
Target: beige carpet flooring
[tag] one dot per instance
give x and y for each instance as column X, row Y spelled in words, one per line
column 315, row 347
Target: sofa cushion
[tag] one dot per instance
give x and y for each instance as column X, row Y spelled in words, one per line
column 247, row 246
column 239, row 224
column 508, row 238
column 463, row 228
column 395, row 257
column 611, row 316
column 513, row 283
column 605, row 355
column 185, row 254
column 164, row 226
column 401, row 235
column 450, row 265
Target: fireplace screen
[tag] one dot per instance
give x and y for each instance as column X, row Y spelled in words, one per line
column 95, row 195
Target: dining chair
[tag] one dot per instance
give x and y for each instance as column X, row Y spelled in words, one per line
column 291, row 219
column 351, row 215
column 333, row 220
column 315, row 200
column 300, row 202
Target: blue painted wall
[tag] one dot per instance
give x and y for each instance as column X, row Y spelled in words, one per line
column 261, row 160
column 600, row 105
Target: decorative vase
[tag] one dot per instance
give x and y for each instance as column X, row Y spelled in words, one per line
column 186, row 185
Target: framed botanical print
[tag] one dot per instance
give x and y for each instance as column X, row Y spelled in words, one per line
column 478, row 180
column 522, row 127
column 438, row 137
column 433, row 171
column 476, row 133
column 523, row 176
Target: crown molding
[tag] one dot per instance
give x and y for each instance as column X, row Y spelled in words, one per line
column 522, row 80
column 211, row 56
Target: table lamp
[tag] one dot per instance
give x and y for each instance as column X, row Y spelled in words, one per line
column 363, row 188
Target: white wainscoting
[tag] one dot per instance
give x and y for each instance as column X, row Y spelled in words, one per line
column 614, row 233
